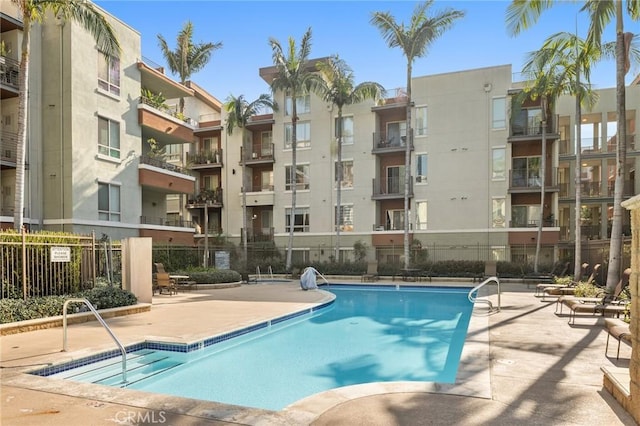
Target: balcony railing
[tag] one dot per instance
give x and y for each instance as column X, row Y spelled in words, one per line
column 9, row 71
column 257, row 235
column 388, row 143
column 265, row 187
column 213, row 157
column 523, row 179
column 206, row 197
column 258, row 153
column 161, row 164
column 628, row 190
column 8, row 146
column 213, row 229
column 163, row 221
column 391, row 187
column 546, row 223
column 532, row 128
column 167, row 110
column 391, row 227
column 590, row 146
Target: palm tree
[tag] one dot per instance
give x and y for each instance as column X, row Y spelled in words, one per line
column 520, row 15
column 552, row 72
column 337, row 87
column 414, row 40
column 35, row 11
column 292, row 76
column 188, row 58
column 239, row 111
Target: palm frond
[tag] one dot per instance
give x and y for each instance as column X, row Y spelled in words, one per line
column 522, row 14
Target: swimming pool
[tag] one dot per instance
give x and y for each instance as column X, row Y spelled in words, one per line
column 370, row 334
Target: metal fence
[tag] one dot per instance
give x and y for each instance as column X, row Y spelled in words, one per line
column 46, row 264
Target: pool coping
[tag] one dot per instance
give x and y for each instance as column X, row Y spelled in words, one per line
column 473, row 379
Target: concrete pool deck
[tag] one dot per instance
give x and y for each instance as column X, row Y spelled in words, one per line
column 523, row 365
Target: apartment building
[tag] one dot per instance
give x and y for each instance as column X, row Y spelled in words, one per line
column 110, row 151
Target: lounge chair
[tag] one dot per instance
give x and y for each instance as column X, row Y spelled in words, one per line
column 163, row 283
column 619, row 330
column 371, row 274
column 568, row 290
column 540, row 288
column 570, row 299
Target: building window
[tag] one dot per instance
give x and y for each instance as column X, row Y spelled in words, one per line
column 109, row 74
column 108, row 137
column 526, row 172
column 421, row 121
column 498, row 164
column 421, row 215
column 395, row 220
column 395, row 180
column 300, row 220
column 300, row 256
column 303, row 135
column 347, row 130
column 525, row 216
column 421, row 168
column 499, row 253
column 302, row 180
column 396, row 133
column 498, row 213
column 345, row 218
column 109, row 202
column 347, row 174
column 303, row 105
column 499, row 113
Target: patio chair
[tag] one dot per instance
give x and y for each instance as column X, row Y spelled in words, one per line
column 163, row 283
column 569, row 290
column 619, row 330
column 159, row 268
column 540, row 288
column 371, row 274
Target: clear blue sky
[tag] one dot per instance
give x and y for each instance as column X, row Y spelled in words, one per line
column 480, row 39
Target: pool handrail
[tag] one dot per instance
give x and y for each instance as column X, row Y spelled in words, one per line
column 123, row 351
column 317, row 273
column 473, row 299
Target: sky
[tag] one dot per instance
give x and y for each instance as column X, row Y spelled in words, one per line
column 480, row 39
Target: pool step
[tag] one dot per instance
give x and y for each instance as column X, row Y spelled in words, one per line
column 140, row 365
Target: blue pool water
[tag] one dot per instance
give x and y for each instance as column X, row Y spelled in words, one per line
column 367, row 335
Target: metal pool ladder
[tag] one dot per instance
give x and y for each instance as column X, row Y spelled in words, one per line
column 104, row 324
column 472, row 297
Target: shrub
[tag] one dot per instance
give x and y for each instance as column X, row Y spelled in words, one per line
column 210, row 276
column 584, row 289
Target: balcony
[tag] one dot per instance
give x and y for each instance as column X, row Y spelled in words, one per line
column 164, row 124
column 628, row 189
column 257, row 235
column 390, row 188
column 260, row 196
column 591, row 146
column 546, row 223
column 258, row 155
column 384, row 144
column 532, row 131
column 391, row 227
column 8, row 148
column 166, row 177
column 206, row 198
column 163, row 221
column 9, row 76
column 522, row 181
column 205, row 159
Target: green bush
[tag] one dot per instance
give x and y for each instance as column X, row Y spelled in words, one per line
column 210, row 276
column 584, row 289
column 12, row 310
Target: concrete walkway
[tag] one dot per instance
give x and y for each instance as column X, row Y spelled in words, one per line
column 533, row 368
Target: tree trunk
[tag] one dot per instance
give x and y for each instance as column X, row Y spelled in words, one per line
column 339, row 186
column 407, row 167
column 21, row 148
column 244, row 202
column 543, row 173
column 292, row 178
column 615, row 242
column 577, row 266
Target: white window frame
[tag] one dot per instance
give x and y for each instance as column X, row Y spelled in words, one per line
column 421, row 175
column 498, row 173
column 345, row 219
column 419, row 223
column 303, row 104
column 109, row 74
column 304, row 226
column 113, row 211
column 347, row 178
column 303, row 134
column 303, row 179
column 391, row 216
column 347, row 129
column 402, row 133
column 113, row 135
column 421, row 121
column 499, row 117
column 498, row 212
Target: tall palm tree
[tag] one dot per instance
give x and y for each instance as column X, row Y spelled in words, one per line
column 239, row 111
column 293, row 76
column 35, row 11
column 188, row 58
column 413, row 40
column 551, row 74
column 337, row 87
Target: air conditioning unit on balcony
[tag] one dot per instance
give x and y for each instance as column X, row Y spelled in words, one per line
column 254, row 155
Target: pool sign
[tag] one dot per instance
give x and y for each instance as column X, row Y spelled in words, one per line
column 60, row 254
